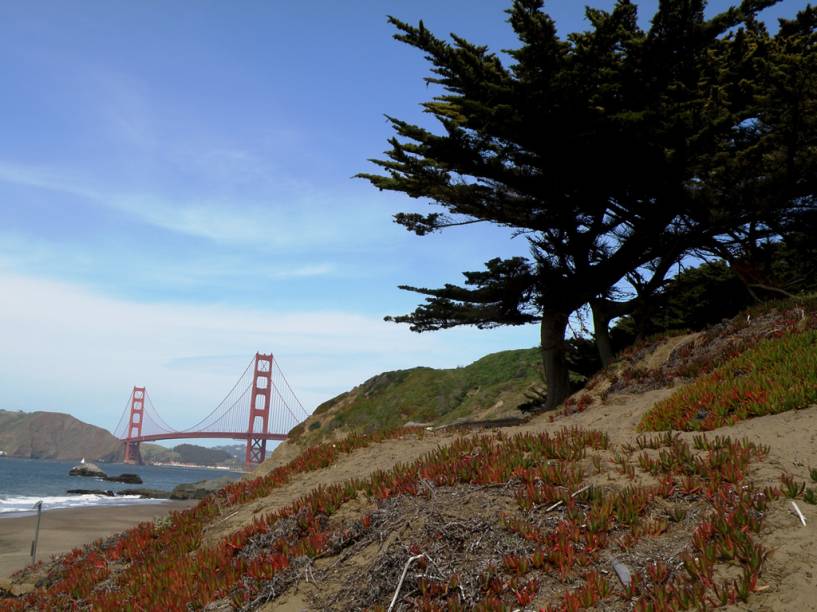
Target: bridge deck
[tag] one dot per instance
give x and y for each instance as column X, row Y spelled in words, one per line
column 181, row 435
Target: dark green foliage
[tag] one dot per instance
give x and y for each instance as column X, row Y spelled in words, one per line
column 696, row 298
column 615, row 151
column 702, row 296
column 782, row 268
column 500, row 295
column 768, row 171
column 582, row 357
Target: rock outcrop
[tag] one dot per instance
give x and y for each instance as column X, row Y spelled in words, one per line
column 149, row 493
column 88, row 469
column 126, row 478
column 94, row 471
column 200, row 489
column 90, row 492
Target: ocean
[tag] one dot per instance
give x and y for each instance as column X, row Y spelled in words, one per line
column 24, row 482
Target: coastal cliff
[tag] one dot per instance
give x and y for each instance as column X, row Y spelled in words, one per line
column 54, row 435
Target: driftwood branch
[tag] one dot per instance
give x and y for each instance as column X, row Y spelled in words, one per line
column 403, row 577
column 771, row 289
column 799, row 514
column 560, row 502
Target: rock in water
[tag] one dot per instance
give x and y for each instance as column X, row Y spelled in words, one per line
column 126, row 478
column 87, row 469
column 200, row 489
column 148, row 493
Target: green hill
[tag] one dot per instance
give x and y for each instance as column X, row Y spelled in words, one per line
column 186, row 453
column 156, row 453
column 492, row 387
column 200, row 455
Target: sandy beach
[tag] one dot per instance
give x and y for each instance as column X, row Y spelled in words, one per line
column 62, row 530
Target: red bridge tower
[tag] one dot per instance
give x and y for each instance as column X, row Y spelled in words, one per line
column 137, row 412
column 259, row 408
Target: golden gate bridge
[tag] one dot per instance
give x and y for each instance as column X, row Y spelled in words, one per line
column 260, row 407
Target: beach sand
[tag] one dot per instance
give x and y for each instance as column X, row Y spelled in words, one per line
column 62, row 530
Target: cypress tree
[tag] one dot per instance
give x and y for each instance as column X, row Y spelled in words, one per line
column 597, row 147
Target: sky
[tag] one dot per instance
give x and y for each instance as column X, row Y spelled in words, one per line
column 176, row 193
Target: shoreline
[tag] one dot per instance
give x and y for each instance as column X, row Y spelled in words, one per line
column 24, row 505
column 63, row 529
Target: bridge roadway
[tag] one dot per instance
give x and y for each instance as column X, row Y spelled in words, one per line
column 232, row 435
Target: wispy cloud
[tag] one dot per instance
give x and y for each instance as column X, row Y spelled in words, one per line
column 290, row 219
column 307, row 271
column 30, row 254
column 41, row 177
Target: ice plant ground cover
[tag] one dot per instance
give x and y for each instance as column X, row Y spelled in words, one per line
column 776, row 375
column 564, row 504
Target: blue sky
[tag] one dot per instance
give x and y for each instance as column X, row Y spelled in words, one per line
column 176, row 194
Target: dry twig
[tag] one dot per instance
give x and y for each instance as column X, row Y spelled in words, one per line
column 560, row 502
column 403, row 577
column 799, row 514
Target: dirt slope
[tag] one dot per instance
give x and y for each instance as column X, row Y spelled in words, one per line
column 792, row 438
column 791, row 571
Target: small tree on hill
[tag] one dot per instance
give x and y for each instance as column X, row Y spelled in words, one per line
column 594, row 147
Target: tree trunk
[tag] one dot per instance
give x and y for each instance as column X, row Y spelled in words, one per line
column 605, row 311
column 552, row 333
column 601, row 330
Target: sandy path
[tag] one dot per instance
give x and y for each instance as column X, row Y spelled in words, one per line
column 62, row 530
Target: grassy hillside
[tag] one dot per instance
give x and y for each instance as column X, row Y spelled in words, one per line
column 492, row 387
column 156, row 453
column 187, row 453
column 200, row 455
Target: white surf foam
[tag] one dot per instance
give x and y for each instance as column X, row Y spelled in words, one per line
column 11, row 504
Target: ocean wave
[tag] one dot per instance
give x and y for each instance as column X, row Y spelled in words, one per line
column 10, row 504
